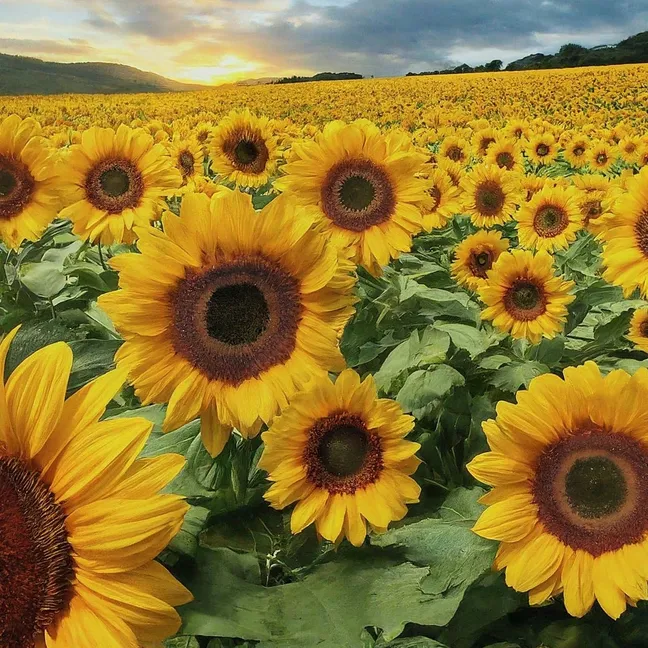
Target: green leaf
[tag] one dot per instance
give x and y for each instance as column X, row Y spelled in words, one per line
column 329, row 608
column 456, row 556
column 92, row 358
column 182, row 642
column 44, row 279
column 412, row 642
column 486, row 601
column 36, row 335
column 466, row 337
column 185, row 542
column 514, row 376
column 428, row 348
column 423, row 387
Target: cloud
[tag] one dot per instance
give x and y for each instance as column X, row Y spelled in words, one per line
column 390, row 37
column 379, row 37
column 73, row 46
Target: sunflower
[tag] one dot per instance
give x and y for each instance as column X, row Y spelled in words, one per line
column 116, row 181
column 453, row 170
column 491, row 195
column 625, row 253
column 82, row 518
column 576, row 150
column 243, row 149
column 365, row 186
column 532, row 184
column 601, row 156
column 550, row 220
column 442, row 203
column 339, row 452
column 475, row 256
column 542, row 148
column 569, row 467
column 483, row 139
column 523, row 297
column 455, row 149
column 506, row 154
column 639, row 329
column 203, row 132
column 229, row 311
column 629, row 149
column 517, row 129
column 597, row 197
column 188, row 158
column 29, row 180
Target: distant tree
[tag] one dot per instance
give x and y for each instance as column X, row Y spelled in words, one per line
column 494, row 66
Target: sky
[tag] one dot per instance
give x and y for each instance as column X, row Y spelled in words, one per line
column 220, row 41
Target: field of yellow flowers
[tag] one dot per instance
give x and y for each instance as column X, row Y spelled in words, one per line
column 336, row 365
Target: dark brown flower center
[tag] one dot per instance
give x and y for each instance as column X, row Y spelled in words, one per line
column 641, row 232
column 590, row 489
column 237, row 320
column 343, row 450
column 489, row 198
column 247, row 151
column 435, row 194
column 16, row 187
column 643, row 329
column 7, row 183
column 601, row 158
column 455, row 153
column 578, row 151
column 525, row 301
column 484, row 144
column 542, row 150
column 237, row 314
column 358, row 194
column 630, row 147
column 480, row 263
column 341, row 455
column 592, row 210
column 505, row 160
column 114, row 185
column 186, row 161
column 36, row 566
column 550, row 221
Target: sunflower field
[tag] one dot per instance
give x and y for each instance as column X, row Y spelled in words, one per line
column 353, row 364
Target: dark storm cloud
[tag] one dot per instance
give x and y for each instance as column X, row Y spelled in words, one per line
column 389, row 36
column 381, row 37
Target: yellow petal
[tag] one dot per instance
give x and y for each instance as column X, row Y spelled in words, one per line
column 508, row 521
column 214, row 434
column 35, row 395
column 578, row 584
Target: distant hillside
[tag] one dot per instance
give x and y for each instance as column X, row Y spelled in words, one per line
column 255, row 82
column 630, row 50
column 322, row 76
column 21, row 75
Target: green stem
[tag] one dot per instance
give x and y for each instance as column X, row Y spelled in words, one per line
column 101, row 259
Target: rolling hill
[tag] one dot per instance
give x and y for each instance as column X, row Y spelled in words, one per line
column 21, row 75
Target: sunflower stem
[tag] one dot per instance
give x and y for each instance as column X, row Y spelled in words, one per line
column 101, row 259
column 51, row 303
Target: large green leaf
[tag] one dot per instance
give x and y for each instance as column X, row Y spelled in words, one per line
column 425, row 386
column 44, row 279
column 456, row 556
column 329, row 608
column 426, row 348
